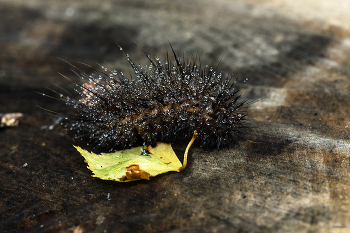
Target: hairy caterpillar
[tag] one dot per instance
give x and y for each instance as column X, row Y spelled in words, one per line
column 160, row 101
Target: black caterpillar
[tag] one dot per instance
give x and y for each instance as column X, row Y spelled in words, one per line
column 160, row 101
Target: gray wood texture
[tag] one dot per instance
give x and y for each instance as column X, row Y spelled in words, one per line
column 291, row 174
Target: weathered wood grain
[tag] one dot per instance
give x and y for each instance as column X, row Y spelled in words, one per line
column 291, row 174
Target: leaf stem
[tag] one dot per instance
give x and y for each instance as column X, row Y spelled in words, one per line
column 186, row 151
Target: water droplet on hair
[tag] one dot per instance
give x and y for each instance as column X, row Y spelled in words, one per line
column 182, row 117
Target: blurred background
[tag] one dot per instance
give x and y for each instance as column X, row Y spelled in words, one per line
column 291, row 175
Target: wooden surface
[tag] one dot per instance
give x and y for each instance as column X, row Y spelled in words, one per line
column 290, row 175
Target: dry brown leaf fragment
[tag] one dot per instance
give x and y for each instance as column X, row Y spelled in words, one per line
column 9, row 119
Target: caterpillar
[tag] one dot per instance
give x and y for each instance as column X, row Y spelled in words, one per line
column 160, row 101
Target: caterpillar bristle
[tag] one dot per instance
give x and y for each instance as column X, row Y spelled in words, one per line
column 161, row 101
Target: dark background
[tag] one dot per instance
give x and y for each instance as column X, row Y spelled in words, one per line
column 290, row 175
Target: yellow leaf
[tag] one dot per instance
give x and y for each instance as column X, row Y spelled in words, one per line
column 132, row 164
